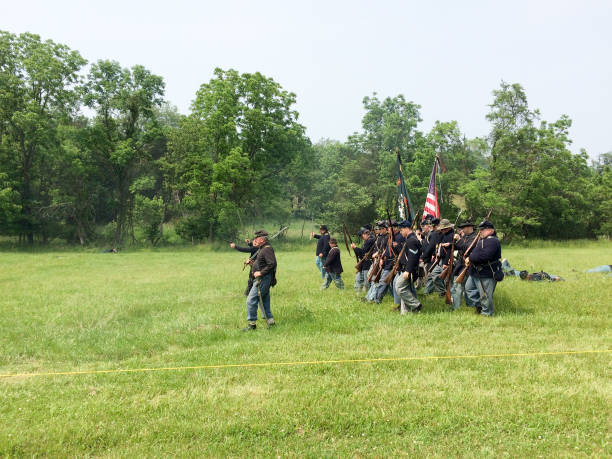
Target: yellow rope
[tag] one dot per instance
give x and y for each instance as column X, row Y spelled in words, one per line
column 311, row 362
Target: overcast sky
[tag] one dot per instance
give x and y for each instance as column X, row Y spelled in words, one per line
column 446, row 56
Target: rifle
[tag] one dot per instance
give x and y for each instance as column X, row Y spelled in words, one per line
column 390, row 240
column 466, row 258
column 365, row 257
column 449, row 269
column 376, row 268
column 346, row 234
column 375, row 271
column 393, row 272
column 435, row 262
column 250, row 260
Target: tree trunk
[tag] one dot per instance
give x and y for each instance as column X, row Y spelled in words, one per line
column 210, row 232
column 121, row 212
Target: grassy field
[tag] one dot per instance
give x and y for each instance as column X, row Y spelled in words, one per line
column 82, row 310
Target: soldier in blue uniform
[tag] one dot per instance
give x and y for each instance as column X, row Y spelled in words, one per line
column 463, row 240
column 333, row 266
column 322, row 248
column 408, row 269
column 443, row 240
column 361, row 278
column 485, row 266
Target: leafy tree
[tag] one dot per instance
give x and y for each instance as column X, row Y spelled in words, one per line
column 124, row 129
column 536, row 186
column 229, row 155
column 77, row 184
column 37, row 94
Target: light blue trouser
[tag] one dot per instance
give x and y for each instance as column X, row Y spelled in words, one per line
column 600, row 269
column 361, row 280
column 371, row 295
column 484, row 299
column 396, row 296
column 320, row 262
column 337, row 278
column 434, row 282
column 406, row 291
column 381, row 287
column 252, row 301
column 509, row 270
column 466, row 290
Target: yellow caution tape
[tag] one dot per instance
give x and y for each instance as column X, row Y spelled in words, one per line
column 309, row 362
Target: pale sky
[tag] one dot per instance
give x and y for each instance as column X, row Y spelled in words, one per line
column 446, row 56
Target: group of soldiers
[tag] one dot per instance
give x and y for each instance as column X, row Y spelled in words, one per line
column 394, row 259
column 456, row 263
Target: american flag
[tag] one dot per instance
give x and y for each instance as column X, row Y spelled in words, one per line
column 431, row 203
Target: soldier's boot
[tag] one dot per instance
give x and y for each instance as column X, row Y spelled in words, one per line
column 417, row 309
column 271, row 322
column 250, row 327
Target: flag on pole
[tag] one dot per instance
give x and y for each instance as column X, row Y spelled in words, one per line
column 431, row 203
column 404, row 204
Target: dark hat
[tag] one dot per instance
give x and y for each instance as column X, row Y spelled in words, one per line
column 261, row 233
column 381, row 224
column 363, row 230
column 405, row 224
column 323, row 227
column 435, row 221
column 427, row 221
column 464, row 224
column 333, row 241
column 486, row 224
column 368, row 227
column 393, row 222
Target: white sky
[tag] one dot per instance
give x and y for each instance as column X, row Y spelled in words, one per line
column 446, row 56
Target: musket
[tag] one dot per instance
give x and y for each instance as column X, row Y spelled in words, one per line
column 448, row 269
column 393, row 272
column 435, row 262
column 365, row 257
column 346, row 234
column 250, row 260
column 466, row 258
column 376, row 268
column 391, row 238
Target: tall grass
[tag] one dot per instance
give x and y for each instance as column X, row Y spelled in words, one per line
column 83, row 310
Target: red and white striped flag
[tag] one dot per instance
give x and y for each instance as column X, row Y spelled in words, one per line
column 431, row 203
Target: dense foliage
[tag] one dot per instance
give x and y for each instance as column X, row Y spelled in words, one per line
column 102, row 156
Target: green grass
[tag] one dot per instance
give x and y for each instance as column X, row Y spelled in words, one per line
column 82, row 310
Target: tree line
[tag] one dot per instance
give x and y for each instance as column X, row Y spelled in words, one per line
column 91, row 154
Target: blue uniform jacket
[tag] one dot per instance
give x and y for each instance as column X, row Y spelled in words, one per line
column 322, row 244
column 363, row 250
column 412, row 253
column 484, row 256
